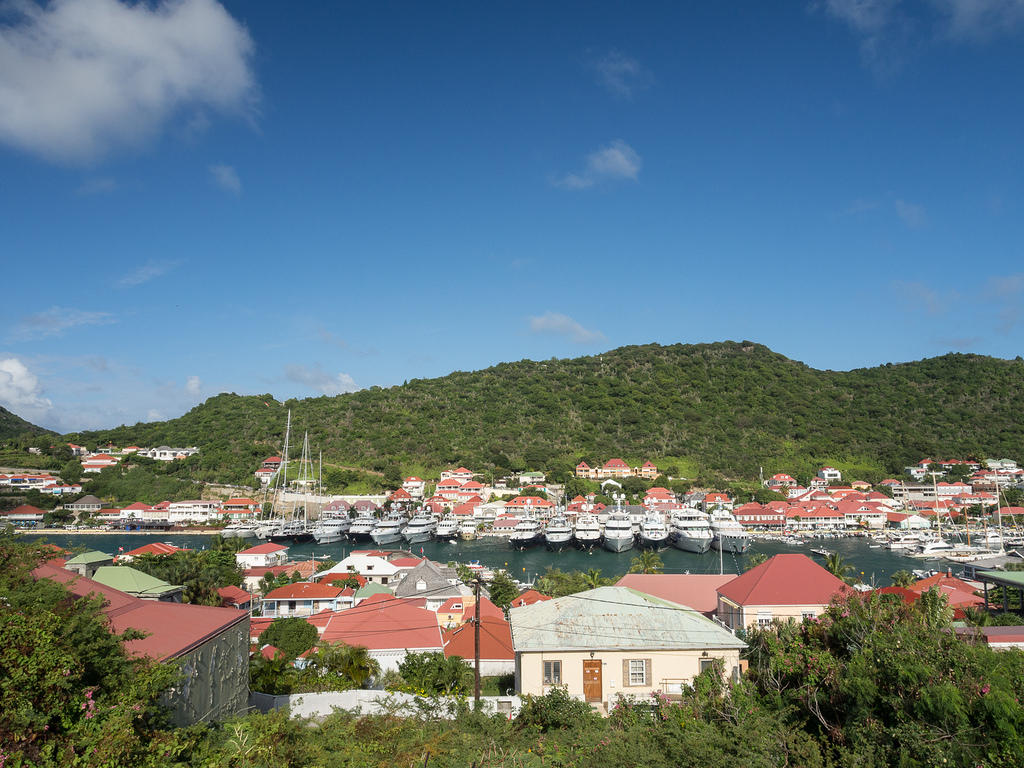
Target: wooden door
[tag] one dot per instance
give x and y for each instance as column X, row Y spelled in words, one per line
column 592, row 680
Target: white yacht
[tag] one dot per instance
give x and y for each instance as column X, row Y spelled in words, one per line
column 239, row 529
column 653, row 532
column 588, row 531
column 294, row 531
column 729, row 534
column 448, row 527
column 527, row 533
column 420, row 529
column 558, row 535
column 691, row 531
column 362, row 527
column 618, row 534
column 388, row 530
column 331, row 528
column 467, row 529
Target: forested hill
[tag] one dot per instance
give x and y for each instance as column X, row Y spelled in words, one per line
column 724, row 408
column 13, row 426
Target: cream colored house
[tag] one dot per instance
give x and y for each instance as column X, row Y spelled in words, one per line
column 783, row 588
column 615, row 640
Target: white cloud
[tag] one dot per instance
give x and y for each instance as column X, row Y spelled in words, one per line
column 911, row 214
column 54, row 321
column 980, row 19
column 81, row 77
column 227, row 177
column 563, row 325
column 620, row 74
column 615, row 162
column 925, row 296
column 20, row 391
column 193, row 386
column 862, row 15
column 318, row 379
column 148, row 271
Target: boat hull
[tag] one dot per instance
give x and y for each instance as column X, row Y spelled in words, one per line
column 558, row 543
column 653, row 542
column 696, row 544
column 526, row 542
column 734, row 544
column 386, row 538
column 419, row 537
column 618, row 543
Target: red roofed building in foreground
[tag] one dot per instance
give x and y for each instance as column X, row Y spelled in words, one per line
column 210, row 644
column 301, row 599
column 529, row 597
column 497, row 657
column 386, row 626
column 783, row 587
column 694, row 590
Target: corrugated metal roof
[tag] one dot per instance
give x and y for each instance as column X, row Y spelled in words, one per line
column 614, row 618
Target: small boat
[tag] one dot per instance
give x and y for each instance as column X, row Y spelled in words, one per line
column 821, row 551
column 558, row 535
column 618, row 534
column 239, row 529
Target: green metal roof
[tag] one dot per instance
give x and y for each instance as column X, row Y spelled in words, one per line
column 133, row 582
column 87, row 558
column 612, row 618
column 372, row 588
column 1009, row 578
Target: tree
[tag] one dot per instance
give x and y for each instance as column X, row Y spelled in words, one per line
column 756, row 559
column 337, row 667
column 593, row 579
column 839, row 568
column 436, row 674
column 291, row 636
column 902, row 578
column 71, row 472
column 503, row 590
column 647, row 562
column 66, row 682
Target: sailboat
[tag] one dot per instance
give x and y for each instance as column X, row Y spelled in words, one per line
column 273, row 522
column 297, row 529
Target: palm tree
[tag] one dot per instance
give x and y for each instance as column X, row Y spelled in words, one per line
column 839, row 568
column 594, row 579
column 902, row 578
column 647, row 562
column 756, row 559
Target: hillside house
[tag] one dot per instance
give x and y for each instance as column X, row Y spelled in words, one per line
column 262, row 555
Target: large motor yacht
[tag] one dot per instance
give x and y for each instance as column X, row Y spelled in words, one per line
column 618, row 534
column 691, row 531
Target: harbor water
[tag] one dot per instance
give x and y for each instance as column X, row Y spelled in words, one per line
column 872, row 563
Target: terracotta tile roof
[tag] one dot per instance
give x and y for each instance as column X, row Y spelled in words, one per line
column 529, row 597
column 156, row 548
column 784, row 580
column 232, row 595
column 382, row 623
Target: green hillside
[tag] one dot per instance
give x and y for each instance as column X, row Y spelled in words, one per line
column 15, row 426
column 724, row 409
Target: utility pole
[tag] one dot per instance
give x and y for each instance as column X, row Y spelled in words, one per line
column 476, row 647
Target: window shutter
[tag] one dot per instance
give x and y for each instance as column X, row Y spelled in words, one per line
column 647, row 673
column 625, row 673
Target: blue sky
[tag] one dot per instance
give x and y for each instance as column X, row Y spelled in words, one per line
column 314, row 198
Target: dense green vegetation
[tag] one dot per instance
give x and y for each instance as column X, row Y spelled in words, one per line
column 200, row 572
column 726, row 408
column 13, row 426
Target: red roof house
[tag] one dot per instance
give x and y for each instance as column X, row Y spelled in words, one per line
column 783, row 587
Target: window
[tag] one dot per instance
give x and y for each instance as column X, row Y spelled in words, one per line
column 764, row 618
column 706, row 664
column 637, row 672
column 552, row 673
column 807, row 615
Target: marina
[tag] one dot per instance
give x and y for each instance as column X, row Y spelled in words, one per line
column 872, row 563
